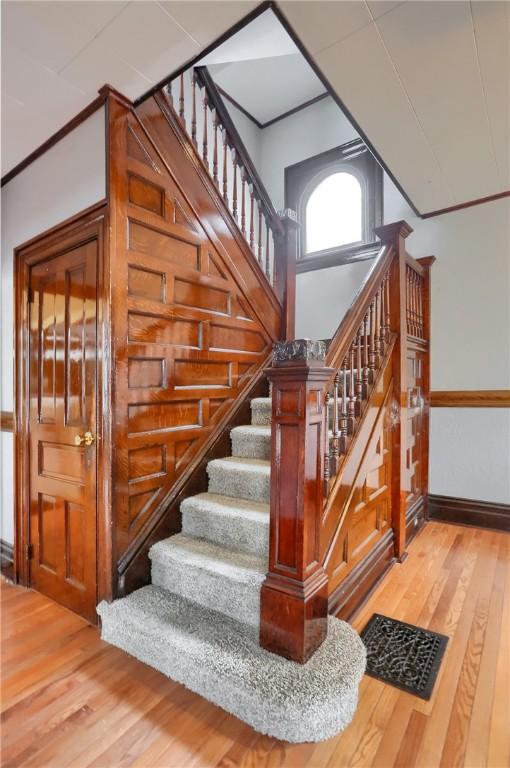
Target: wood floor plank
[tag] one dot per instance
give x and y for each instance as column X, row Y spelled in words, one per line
column 71, row 701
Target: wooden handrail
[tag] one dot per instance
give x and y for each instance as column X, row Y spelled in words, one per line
column 353, row 318
column 205, row 80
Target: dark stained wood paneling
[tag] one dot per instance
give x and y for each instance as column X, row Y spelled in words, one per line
column 190, row 319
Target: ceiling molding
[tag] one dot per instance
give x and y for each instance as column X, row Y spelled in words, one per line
column 468, row 204
column 282, row 116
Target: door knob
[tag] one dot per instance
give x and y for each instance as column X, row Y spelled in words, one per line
column 86, row 439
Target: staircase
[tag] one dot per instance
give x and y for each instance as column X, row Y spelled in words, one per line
column 198, row 622
column 227, row 566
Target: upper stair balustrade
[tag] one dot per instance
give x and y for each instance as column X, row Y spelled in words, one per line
column 202, row 113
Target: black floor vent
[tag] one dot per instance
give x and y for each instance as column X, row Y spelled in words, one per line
column 403, row 655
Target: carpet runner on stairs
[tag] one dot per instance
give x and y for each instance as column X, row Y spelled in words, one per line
column 198, row 621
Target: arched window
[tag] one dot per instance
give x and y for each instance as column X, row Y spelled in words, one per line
column 334, row 213
column 338, row 199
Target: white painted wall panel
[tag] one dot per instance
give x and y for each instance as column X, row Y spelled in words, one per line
column 470, row 453
column 65, row 180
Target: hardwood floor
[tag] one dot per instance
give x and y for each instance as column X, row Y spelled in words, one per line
column 68, row 699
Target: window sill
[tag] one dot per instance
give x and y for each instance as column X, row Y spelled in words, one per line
column 337, row 257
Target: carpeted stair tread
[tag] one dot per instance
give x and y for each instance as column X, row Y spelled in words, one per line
column 251, row 441
column 240, row 478
column 261, row 411
column 212, row 655
column 233, row 523
column 210, row 575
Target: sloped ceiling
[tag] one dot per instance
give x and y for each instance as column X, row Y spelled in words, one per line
column 427, row 82
column 56, row 54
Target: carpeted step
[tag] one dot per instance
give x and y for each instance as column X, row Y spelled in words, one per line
column 240, row 478
column 251, row 442
column 233, row 523
column 261, row 411
column 210, row 575
column 212, row 656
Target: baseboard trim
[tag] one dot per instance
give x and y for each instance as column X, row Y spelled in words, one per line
column 416, row 516
column 483, row 514
column 352, row 593
column 7, row 559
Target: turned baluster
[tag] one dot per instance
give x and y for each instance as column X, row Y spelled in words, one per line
column 366, row 357
column 420, row 306
column 412, row 313
column 387, row 307
column 243, row 201
column 181, row 101
column 344, row 416
column 335, row 447
column 259, row 249
column 382, row 331
column 359, row 372
column 225, row 166
column 327, row 456
column 415, row 304
column 204, row 142
column 216, row 123
column 377, row 328
column 169, row 93
column 234, row 185
column 194, row 109
column 268, row 260
column 252, row 228
column 371, row 348
column 351, row 407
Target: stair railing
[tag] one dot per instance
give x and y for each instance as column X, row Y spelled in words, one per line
column 319, row 400
column 204, row 116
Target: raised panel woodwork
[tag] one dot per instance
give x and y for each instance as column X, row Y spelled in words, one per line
column 412, row 481
column 146, row 372
column 145, row 194
column 150, row 329
column 163, row 246
column 146, row 283
column 360, row 502
column 179, row 414
column 191, row 294
column 186, row 335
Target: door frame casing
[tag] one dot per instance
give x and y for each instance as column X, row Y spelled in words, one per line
column 87, row 225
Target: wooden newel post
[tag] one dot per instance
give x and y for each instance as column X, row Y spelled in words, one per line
column 286, row 252
column 395, row 234
column 294, row 596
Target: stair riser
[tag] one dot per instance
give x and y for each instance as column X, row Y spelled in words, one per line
column 261, row 414
column 210, row 590
column 237, row 533
column 239, row 484
column 251, row 446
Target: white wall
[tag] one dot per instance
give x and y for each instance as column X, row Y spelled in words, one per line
column 470, row 448
column 65, row 180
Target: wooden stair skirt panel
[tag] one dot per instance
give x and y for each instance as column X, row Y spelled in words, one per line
column 199, row 319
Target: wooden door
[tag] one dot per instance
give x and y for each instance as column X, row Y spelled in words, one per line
column 62, row 427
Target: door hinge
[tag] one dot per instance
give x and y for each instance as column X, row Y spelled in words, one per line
column 29, row 549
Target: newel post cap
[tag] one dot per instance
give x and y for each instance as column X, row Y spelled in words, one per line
column 288, row 217
column 304, row 352
column 389, row 232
